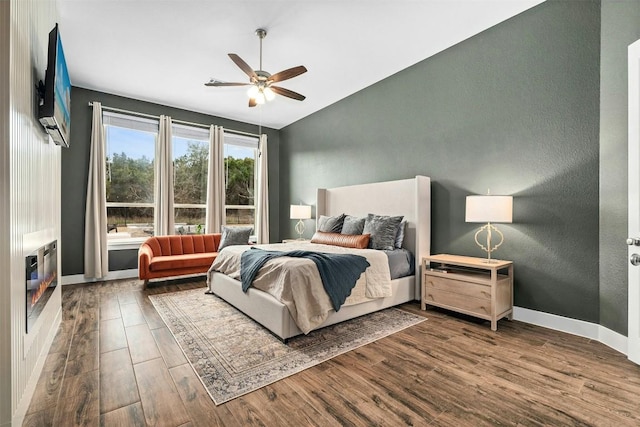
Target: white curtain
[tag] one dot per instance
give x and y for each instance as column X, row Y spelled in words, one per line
column 96, row 256
column 164, row 215
column 262, row 215
column 215, row 181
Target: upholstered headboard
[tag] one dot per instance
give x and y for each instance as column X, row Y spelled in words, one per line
column 408, row 197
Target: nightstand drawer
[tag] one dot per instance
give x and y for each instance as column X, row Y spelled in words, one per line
column 462, row 287
column 458, row 302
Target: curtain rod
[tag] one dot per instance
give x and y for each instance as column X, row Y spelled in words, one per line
column 181, row 122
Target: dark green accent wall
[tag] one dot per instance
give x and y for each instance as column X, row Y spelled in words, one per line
column 620, row 27
column 515, row 109
column 535, row 107
column 75, row 164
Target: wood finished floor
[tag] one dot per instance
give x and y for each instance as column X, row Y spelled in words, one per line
column 114, row 362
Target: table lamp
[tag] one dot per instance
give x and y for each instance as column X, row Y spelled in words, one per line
column 300, row 212
column 489, row 209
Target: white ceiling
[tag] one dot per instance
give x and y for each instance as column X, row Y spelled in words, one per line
column 164, row 51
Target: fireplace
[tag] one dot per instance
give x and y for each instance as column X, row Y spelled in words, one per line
column 41, row 268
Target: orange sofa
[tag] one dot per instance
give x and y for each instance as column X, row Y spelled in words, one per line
column 166, row 256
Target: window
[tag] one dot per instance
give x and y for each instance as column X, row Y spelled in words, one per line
column 240, row 160
column 190, row 167
column 130, row 151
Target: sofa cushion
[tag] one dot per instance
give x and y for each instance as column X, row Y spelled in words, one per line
column 178, row 244
column 177, row 262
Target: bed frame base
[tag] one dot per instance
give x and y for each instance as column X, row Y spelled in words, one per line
column 275, row 316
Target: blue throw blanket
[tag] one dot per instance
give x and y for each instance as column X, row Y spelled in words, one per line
column 339, row 272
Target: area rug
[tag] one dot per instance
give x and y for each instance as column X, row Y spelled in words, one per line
column 233, row 355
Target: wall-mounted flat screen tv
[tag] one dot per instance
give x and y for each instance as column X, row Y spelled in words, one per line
column 55, row 108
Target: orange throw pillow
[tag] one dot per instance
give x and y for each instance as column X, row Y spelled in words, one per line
column 357, row 241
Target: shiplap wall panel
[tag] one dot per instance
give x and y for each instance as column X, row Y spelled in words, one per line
column 31, row 170
column 5, row 312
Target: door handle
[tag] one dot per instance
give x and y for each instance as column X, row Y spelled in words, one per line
column 633, row 241
column 635, row 259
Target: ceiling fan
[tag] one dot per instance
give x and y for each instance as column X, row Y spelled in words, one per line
column 261, row 82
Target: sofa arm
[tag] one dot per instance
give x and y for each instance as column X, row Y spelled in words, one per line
column 145, row 255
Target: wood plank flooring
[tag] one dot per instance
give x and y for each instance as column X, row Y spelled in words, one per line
column 114, row 362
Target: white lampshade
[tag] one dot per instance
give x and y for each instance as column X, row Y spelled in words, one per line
column 489, row 209
column 300, row 212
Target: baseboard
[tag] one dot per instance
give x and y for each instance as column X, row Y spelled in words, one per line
column 581, row 328
column 112, row 275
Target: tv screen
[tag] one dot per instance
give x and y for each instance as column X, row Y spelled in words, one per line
column 55, row 111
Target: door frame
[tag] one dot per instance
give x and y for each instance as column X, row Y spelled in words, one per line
column 633, row 335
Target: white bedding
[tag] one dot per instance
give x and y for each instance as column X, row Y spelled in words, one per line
column 297, row 284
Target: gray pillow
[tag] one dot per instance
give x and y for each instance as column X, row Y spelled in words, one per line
column 330, row 224
column 400, row 234
column 352, row 225
column 234, row 236
column 383, row 230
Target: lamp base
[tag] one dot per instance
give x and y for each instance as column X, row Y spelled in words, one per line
column 489, row 228
column 300, row 229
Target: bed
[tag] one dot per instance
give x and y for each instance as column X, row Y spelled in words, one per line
column 409, row 197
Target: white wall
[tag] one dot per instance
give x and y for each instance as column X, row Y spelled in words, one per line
column 30, row 169
column 5, row 314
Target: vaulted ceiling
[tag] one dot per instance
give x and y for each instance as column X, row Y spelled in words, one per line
column 164, row 51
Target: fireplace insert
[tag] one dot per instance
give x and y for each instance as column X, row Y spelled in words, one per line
column 41, row 267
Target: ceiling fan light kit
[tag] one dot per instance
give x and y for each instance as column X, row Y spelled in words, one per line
column 261, row 82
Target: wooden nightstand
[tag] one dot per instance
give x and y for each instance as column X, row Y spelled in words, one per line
column 469, row 285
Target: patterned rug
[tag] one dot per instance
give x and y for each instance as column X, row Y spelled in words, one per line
column 233, row 355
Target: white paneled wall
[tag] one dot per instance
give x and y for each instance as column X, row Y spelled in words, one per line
column 30, row 169
column 5, row 307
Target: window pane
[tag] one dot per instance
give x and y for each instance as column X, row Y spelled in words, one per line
column 129, row 222
column 190, row 220
column 129, row 182
column 190, row 165
column 130, row 155
column 239, row 163
column 243, row 216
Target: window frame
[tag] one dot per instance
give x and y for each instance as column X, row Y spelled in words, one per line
column 196, row 133
column 137, row 123
column 146, row 124
column 253, row 142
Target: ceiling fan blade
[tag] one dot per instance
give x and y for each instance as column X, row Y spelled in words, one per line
column 243, row 66
column 224, row 84
column 288, row 93
column 288, row 74
column 252, row 102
